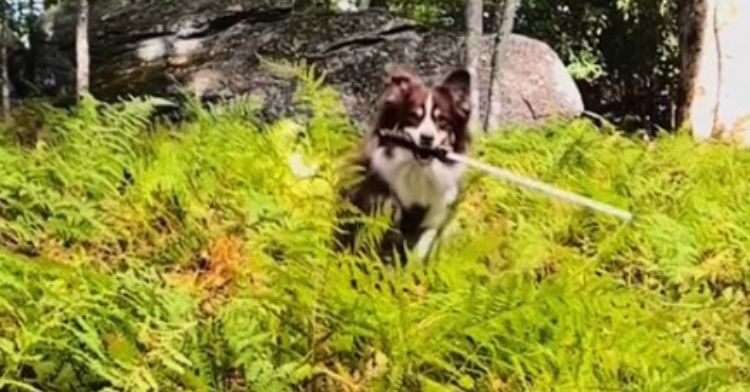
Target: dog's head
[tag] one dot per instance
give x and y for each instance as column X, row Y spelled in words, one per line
column 430, row 115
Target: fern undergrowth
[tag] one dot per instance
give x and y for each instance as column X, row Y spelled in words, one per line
column 199, row 257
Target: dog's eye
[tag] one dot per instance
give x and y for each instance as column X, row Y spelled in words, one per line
column 413, row 118
column 441, row 123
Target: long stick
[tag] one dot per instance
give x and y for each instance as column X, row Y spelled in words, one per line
column 542, row 187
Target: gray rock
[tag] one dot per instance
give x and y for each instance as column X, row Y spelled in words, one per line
column 213, row 47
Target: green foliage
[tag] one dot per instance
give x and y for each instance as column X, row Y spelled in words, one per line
column 430, row 12
column 674, row 186
column 60, row 189
column 630, row 47
column 199, row 257
column 68, row 329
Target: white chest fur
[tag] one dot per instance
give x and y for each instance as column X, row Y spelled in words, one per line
column 433, row 186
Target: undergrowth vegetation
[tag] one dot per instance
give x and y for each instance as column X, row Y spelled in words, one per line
column 199, row 257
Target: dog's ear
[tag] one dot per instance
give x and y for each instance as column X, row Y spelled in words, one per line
column 398, row 85
column 458, row 83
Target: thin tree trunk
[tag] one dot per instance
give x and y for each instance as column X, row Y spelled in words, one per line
column 4, row 40
column 30, row 67
column 30, row 17
column 692, row 18
column 473, row 52
column 505, row 15
column 82, row 48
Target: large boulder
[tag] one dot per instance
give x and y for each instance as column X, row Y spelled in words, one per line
column 213, row 47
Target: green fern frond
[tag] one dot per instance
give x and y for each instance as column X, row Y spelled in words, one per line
column 198, row 256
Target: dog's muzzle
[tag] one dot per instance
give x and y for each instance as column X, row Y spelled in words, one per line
column 423, row 152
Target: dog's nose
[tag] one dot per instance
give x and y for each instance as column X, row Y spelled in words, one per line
column 426, row 140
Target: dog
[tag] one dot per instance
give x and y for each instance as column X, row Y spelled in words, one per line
column 420, row 189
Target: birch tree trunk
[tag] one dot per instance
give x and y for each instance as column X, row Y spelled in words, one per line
column 473, row 45
column 505, row 14
column 82, row 48
column 715, row 60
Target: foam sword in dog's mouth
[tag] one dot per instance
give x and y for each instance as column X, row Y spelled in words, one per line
column 402, row 140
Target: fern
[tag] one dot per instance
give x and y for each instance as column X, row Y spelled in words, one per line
column 199, row 256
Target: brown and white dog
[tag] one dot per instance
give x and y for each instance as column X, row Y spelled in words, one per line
column 420, row 189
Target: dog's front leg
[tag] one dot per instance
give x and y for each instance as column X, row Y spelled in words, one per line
column 425, row 243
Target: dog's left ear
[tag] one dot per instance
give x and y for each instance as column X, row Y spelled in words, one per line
column 458, row 83
column 400, row 82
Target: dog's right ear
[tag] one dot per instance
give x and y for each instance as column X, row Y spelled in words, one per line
column 398, row 85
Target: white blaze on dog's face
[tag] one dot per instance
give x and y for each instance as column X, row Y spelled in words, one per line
column 425, row 133
column 432, row 116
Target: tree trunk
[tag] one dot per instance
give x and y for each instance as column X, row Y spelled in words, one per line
column 31, row 17
column 505, row 14
column 82, row 48
column 693, row 23
column 4, row 40
column 714, row 102
column 473, row 45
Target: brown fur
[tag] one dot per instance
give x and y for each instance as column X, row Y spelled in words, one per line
column 404, row 106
